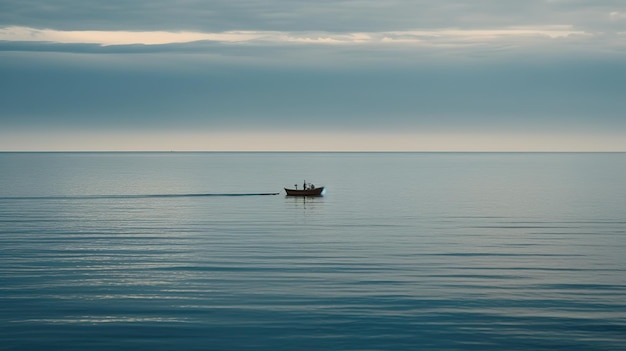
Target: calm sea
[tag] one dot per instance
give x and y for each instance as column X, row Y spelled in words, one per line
column 406, row 251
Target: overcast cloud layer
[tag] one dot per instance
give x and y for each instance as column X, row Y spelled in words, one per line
column 301, row 15
column 482, row 68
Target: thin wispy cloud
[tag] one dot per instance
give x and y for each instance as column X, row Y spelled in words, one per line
column 400, row 37
column 617, row 16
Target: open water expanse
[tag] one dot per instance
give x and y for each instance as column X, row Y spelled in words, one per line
column 406, row 251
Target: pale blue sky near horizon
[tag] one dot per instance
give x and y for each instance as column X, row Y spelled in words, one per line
column 278, row 75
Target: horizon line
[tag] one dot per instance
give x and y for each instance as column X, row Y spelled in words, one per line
column 315, row 151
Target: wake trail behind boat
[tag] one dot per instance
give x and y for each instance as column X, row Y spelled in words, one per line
column 131, row 196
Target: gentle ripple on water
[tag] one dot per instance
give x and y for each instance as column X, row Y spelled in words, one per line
column 253, row 273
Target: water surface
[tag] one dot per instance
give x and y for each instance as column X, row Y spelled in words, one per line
column 439, row 251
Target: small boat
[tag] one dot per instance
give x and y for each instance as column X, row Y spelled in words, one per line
column 309, row 190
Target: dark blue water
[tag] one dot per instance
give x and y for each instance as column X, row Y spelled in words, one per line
column 406, row 251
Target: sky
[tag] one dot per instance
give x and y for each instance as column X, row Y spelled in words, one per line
column 326, row 75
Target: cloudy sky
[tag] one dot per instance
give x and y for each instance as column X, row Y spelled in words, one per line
column 449, row 75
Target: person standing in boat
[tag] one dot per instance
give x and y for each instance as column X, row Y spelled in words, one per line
column 306, row 187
